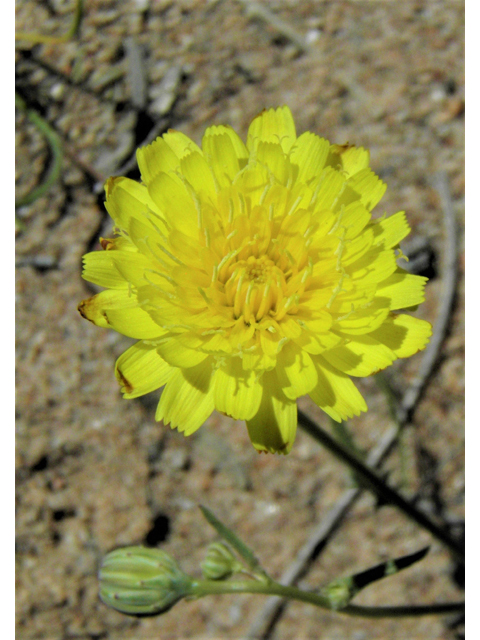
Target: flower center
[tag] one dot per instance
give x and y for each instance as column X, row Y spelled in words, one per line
column 254, row 288
column 258, row 269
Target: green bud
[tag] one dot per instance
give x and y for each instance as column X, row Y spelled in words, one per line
column 219, row 562
column 139, row 580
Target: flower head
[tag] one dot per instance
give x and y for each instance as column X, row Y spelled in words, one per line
column 253, row 274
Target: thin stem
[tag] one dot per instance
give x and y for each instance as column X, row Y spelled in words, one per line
column 377, row 485
column 201, row 588
column 38, row 38
column 55, row 146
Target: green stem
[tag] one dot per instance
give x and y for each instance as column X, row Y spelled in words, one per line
column 201, row 588
column 56, row 149
column 377, row 485
column 38, row 38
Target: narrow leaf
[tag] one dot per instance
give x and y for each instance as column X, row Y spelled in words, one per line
column 240, row 547
column 341, row 591
column 388, row 568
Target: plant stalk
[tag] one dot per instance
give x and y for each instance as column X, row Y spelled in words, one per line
column 201, row 588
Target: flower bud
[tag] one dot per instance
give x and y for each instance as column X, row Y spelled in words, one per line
column 139, row 580
column 219, row 562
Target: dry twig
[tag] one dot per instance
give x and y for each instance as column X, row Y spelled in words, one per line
column 257, row 10
column 449, row 276
column 136, row 75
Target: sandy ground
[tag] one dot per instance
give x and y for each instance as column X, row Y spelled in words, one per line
column 94, row 471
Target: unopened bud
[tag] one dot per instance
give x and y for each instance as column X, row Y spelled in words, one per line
column 139, row 580
column 219, row 562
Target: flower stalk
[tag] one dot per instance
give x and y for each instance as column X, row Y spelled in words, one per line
column 145, row 581
column 201, row 588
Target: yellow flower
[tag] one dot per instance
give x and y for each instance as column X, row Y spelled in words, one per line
column 252, row 275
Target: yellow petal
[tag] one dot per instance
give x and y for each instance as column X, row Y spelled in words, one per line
column 354, row 159
column 390, row 231
column 403, row 289
column 313, row 307
column 164, row 154
column 369, row 186
column 362, row 356
column 185, row 248
column 355, row 249
column 374, row 266
column 364, row 319
column 98, row 268
column 290, row 328
column 239, row 147
column 196, row 170
column 178, row 355
column 274, row 125
column 154, row 158
column 253, row 181
column 316, row 343
column 404, row 335
column 353, row 298
column 237, row 392
column 140, row 370
column 296, row 372
column 318, row 325
column 187, row 399
column 269, row 342
column 175, row 202
column 353, row 218
column 335, row 393
column 119, row 310
column 126, row 199
column 310, row 154
column 221, row 155
column 147, row 243
column 328, row 187
column 273, row 157
column 133, row 267
column 272, row 429
column 180, row 144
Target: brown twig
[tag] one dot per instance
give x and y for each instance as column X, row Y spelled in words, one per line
column 449, row 276
column 136, row 74
column 256, row 10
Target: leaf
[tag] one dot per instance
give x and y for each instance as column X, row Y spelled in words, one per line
column 240, row 547
column 387, row 568
column 56, row 150
column 341, row 591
